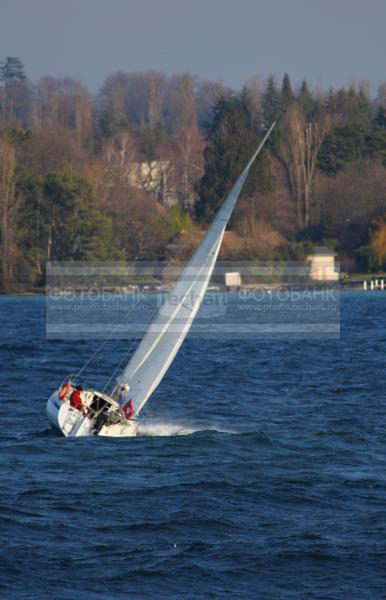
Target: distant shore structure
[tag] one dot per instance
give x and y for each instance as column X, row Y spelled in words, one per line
column 232, row 281
column 322, row 264
column 374, row 284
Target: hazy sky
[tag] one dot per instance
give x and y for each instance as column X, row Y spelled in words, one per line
column 325, row 41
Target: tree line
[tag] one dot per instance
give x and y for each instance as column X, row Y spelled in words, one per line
column 135, row 171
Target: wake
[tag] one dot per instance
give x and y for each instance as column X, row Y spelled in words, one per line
column 167, row 429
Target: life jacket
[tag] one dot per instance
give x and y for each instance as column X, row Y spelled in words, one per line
column 63, row 392
column 76, row 400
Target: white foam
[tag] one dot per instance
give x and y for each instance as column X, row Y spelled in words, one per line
column 163, row 429
column 167, row 429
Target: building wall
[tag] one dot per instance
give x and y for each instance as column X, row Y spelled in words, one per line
column 323, row 268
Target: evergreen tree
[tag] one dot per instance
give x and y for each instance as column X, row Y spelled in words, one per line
column 12, row 69
column 32, row 230
column 351, row 142
column 364, row 104
column 231, row 143
column 381, row 117
column 271, row 102
column 351, row 105
column 306, row 100
column 16, row 102
column 107, row 125
column 77, row 230
column 286, row 95
column 57, row 219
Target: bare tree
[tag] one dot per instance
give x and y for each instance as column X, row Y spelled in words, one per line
column 65, row 103
column 82, row 114
column 253, row 93
column 206, row 93
column 118, row 155
column 351, row 200
column 51, row 149
column 111, row 97
column 118, row 102
column 134, row 215
column 47, row 103
column 137, row 97
column 153, row 97
column 299, row 150
column 188, row 160
column 182, row 102
column 8, row 208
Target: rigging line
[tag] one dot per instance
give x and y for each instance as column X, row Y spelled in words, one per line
column 116, row 368
column 108, row 339
column 87, row 363
column 78, row 373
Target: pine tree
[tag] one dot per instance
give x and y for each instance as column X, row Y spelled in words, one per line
column 12, row 69
column 31, row 228
column 231, row 143
column 271, row 102
column 16, row 93
column 77, row 230
column 286, row 95
column 306, row 100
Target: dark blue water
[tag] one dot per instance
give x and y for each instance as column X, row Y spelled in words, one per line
column 260, row 471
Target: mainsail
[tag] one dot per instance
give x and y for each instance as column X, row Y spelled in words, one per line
column 171, row 324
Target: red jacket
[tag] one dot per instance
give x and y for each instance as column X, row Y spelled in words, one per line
column 76, row 400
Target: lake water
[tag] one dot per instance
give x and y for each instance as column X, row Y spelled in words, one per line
column 260, row 471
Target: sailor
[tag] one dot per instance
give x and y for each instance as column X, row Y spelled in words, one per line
column 76, row 399
column 127, row 408
column 65, row 388
column 124, row 391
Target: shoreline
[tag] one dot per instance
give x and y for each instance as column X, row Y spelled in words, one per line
column 340, row 287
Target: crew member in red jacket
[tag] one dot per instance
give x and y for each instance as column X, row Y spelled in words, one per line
column 76, row 399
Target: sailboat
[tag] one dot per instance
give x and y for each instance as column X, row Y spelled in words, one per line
column 75, row 411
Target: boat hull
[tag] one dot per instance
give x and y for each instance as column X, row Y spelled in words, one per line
column 70, row 422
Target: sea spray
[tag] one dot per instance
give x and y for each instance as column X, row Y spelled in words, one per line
column 153, row 428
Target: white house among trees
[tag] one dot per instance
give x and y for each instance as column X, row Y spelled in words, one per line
column 322, row 264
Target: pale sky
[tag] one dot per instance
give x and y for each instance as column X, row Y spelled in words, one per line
column 329, row 42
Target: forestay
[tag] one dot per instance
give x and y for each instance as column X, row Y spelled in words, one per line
column 171, row 324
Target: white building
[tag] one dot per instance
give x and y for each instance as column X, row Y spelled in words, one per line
column 322, row 264
column 233, row 280
column 156, row 177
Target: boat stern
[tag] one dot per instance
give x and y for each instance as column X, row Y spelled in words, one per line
column 53, row 407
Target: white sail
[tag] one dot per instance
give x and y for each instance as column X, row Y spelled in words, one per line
column 170, row 326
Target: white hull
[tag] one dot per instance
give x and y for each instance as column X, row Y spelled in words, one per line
column 71, row 422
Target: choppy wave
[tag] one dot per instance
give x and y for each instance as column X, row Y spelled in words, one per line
column 259, row 471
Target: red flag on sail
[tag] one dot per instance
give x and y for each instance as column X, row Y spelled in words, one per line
column 128, row 409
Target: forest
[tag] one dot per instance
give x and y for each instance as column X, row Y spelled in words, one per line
column 135, row 171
